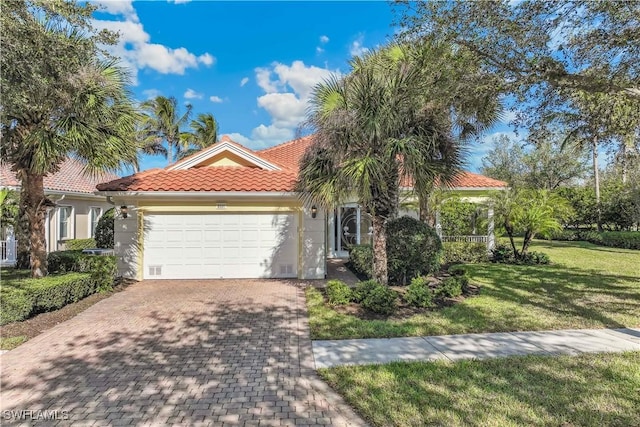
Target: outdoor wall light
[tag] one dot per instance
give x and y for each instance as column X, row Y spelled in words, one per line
column 314, row 211
column 124, row 211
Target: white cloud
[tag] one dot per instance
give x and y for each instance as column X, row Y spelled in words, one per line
column 357, row 48
column 192, row 94
column 288, row 89
column 319, row 50
column 216, row 99
column 135, row 49
column 118, row 7
column 324, row 39
column 151, row 93
column 244, row 81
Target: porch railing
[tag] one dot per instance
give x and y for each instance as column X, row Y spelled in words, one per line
column 8, row 252
column 469, row 239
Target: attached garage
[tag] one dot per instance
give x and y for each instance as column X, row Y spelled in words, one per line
column 220, row 245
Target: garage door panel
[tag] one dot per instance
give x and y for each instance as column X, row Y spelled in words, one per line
column 220, row 246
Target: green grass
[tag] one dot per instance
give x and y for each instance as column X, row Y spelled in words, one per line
column 9, row 343
column 587, row 390
column 587, row 286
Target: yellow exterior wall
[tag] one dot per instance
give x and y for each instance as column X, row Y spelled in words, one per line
column 225, row 159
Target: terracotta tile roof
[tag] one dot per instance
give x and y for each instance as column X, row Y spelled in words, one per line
column 223, row 178
column 467, row 180
column 228, row 178
column 287, row 154
column 69, row 178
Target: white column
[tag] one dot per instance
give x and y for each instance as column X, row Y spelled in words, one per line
column 438, row 226
column 331, row 221
column 491, row 238
column 358, row 225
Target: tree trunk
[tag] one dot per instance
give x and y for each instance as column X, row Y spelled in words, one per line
column 528, row 237
column 596, row 180
column 380, row 272
column 36, row 208
column 22, row 232
column 426, row 214
column 509, row 229
column 169, row 153
column 627, row 142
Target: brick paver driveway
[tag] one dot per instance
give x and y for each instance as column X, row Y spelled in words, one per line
column 219, row 352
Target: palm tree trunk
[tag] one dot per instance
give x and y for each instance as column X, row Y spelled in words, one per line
column 596, row 180
column 36, row 210
column 426, row 214
column 22, row 232
column 169, row 153
column 380, row 272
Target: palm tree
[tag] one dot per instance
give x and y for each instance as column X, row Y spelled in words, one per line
column 163, row 123
column 376, row 127
column 204, row 133
column 92, row 120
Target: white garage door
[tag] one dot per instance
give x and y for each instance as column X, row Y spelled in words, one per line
column 203, row 246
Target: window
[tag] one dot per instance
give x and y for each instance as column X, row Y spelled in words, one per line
column 94, row 216
column 65, row 215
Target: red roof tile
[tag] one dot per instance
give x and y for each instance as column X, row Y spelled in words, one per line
column 467, row 180
column 227, row 178
column 223, row 178
column 69, row 178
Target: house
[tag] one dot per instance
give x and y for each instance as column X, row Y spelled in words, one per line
column 230, row 212
column 77, row 209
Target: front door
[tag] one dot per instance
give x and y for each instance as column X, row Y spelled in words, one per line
column 349, row 226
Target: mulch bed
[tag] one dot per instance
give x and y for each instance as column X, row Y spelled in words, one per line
column 41, row 322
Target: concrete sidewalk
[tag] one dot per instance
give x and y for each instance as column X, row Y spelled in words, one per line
column 473, row 346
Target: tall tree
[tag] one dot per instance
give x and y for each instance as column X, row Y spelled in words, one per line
column 163, row 123
column 384, row 123
column 204, row 132
column 59, row 100
column 591, row 46
column 541, row 163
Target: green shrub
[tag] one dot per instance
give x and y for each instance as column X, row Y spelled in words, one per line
column 451, row 287
column 104, row 230
column 413, row 249
column 419, row 294
column 79, row 244
column 381, row 300
column 103, row 268
column 464, row 253
column 621, row 239
column 338, row 293
column 502, row 253
column 363, row 289
column 23, row 298
column 361, row 261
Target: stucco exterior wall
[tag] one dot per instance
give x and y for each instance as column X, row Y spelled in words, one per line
column 127, row 243
column 79, row 225
column 313, row 250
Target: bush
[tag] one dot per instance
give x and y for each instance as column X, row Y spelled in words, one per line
column 79, row 244
column 502, row 253
column 621, row 239
column 419, row 294
column 413, row 249
column 361, row 261
column 338, row 293
column 23, row 298
column 104, row 230
column 464, row 253
column 363, row 289
column 103, row 268
column 452, row 286
column 381, row 300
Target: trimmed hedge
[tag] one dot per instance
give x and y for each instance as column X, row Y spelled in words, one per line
column 79, row 244
column 23, row 298
column 615, row 239
column 103, row 268
column 464, row 253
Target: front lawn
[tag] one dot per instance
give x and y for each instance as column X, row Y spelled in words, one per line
column 587, row 390
column 587, row 286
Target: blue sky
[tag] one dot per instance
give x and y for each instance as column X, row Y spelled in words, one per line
column 252, row 64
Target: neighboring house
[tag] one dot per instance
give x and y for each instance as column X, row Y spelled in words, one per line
column 230, row 212
column 77, row 208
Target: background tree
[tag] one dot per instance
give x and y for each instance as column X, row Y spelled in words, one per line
column 385, row 122
column 9, row 202
column 59, row 99
column 543, row 163
column 540, row 47
column 204, row 132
